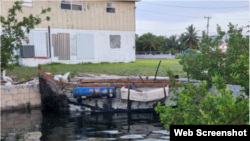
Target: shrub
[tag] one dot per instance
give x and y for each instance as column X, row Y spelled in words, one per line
column 197, row 106
column 233, row 67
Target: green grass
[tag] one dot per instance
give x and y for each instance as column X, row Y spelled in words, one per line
column 143, row 67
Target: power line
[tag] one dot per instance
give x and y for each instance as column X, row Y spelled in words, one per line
column 194, row 7
column 231, row 19
column 170, row 14
column 186, row 16
column 167, row 30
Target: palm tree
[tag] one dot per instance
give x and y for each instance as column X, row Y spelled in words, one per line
column 190, row 37
column 173, row 42
column 182, row 42
column 149, row 41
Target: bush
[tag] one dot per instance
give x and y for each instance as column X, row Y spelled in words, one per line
column 233, row 67
column 196, row 106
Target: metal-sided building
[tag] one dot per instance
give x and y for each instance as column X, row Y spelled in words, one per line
column 79, row 31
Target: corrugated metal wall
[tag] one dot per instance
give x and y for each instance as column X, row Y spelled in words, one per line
column 39, row 40
column 61, row 44
column 85, row 46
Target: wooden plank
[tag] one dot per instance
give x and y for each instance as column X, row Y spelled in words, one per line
column 123, row 80
column 136, row 83
column 123, row 85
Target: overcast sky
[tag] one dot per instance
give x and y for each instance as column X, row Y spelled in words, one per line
column 169, row 20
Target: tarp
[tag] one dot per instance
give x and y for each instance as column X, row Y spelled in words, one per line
column 144, row 96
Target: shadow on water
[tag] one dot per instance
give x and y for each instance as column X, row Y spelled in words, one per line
column 69, row 125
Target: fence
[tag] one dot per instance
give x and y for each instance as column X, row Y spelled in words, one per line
column 156, row 55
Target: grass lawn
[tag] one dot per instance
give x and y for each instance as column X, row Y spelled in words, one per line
column 143, row 67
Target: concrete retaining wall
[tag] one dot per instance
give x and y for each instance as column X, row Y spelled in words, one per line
column 20, row 96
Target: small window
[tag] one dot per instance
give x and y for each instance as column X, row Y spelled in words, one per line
column 110, row 7
column 115, row 41
column 75, row 5
column 27, row 3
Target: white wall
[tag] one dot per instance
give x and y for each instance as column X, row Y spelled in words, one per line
column 102, row 50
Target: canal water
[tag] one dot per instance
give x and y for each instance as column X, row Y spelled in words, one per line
column 48, row 125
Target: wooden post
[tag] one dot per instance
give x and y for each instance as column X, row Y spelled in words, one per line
column 108, row 90
column 141, row 79
column 157, row 69
column 163, row 85
column 128, row 102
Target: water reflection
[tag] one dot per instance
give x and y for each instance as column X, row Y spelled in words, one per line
column 69, row 126
column 14, row 124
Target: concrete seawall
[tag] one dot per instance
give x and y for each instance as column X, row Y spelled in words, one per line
column 20, row 96
column 28, row 95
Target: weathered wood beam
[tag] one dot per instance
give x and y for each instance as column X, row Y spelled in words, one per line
column 123, row 81
column 119, row 85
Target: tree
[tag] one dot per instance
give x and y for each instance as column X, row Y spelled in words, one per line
column 13, row 32
column 197, row 106
column 190, row 38
column 173, row 42
column 182, row 45
column 149, row 41
column 163, row 40
column 136, row 37
column 232, row 66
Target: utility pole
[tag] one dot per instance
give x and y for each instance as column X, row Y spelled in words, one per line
column 208, row 18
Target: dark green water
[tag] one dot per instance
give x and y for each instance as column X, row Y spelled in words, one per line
column 78, row 126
